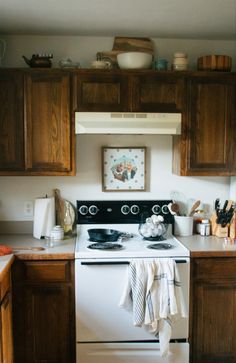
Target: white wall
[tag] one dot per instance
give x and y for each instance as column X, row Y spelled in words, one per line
column 87, row 183
column 84, row 49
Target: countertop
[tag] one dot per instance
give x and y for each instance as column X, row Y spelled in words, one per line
column 60, row 250
column 207, row 246
column 199, row 246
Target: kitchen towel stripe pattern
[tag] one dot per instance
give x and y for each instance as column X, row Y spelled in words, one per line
column 153, row 294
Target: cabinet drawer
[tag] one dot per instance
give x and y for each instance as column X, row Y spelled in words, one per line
column 40, row 271
column 47, row 271
column 5, row 285
column 214, row 268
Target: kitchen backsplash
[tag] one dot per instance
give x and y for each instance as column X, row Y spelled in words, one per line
column 87, row 184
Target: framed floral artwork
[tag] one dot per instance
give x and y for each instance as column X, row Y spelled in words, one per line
column 123, row 169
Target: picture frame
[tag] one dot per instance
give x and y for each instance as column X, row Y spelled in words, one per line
column 123, row 169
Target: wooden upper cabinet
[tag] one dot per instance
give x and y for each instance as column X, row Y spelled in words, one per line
column 158, row 92
column 49, row 143
column 208, row 138
column 101, row 91
column 128, row 91
column 11, row 121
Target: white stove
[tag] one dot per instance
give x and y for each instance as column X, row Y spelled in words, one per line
column 133, row 247
column 104, row 332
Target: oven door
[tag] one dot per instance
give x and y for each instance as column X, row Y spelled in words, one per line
column 99, row 287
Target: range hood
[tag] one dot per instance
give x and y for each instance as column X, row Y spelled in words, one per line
column 127, row 123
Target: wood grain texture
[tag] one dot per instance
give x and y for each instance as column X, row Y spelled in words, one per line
column 207, row 143
column 48, row 132
column 128, row 44
column 213, row 309
column 43, row 311
column 101, row 92
column 6, row 329
column 11, row 121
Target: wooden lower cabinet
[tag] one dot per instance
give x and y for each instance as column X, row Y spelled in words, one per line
column 6, row 338
column 213, row 328
column 43, row 311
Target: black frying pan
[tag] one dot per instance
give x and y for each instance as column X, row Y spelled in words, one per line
column 104, row 235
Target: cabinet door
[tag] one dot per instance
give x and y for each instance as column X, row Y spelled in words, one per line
column 101, row 92
column 49, row 131
column 214, row 311
column 6, row 322
column 158, row 92
column 48, row 324
column 210, row 126
column 43, row 311
column 11, row 121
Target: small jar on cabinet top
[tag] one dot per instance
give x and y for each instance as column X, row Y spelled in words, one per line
column 180, row 61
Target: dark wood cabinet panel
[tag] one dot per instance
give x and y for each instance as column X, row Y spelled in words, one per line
column 11, row 121
column 37, row 127
column 6, row 329
column 101, row 91
column 49, row 133
column 207, row 143
column 43, row 312
column 6, row 336
column 213, row 311
column 158, row 92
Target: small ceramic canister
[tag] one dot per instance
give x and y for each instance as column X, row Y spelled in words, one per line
column 180, row 61
column 161, row 64
column 57, row 233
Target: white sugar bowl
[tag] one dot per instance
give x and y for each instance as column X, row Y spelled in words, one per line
column 57, row 233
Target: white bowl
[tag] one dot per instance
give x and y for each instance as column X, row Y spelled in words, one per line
column 134, row 60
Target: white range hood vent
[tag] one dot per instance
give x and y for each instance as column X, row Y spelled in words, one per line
column 127, row 123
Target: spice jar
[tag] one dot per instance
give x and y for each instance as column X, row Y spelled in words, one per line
column 205, row 227
column 180, row 61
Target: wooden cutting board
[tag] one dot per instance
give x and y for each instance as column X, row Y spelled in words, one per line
column 65, row 214
column 126, row 44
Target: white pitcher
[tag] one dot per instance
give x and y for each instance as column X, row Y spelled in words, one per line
column 2, row 50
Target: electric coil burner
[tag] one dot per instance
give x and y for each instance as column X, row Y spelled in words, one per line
column 121, row 219
column 105, row 246
column 160, row 246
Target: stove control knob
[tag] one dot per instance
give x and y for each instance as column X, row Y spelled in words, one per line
column 165, row 209
column 135, row 209
column 156, row 209
column 93, row 209
column 125, row 209
column 83, row 210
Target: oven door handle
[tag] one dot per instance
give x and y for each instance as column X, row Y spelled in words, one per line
column 101, row 263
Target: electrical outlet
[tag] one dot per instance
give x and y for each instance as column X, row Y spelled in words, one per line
column 28, row 208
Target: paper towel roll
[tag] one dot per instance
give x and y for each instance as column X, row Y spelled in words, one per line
column 44, row 217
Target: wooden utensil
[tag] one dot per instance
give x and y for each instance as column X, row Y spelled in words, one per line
column 175, row 209
column 194, row 207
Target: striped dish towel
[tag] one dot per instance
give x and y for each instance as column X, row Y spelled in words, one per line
column 153, row 294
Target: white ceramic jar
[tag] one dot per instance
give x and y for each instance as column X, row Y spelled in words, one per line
column 57, row 233
column 180, row 62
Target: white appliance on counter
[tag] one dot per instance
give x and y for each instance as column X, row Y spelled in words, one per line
column 104, row 332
